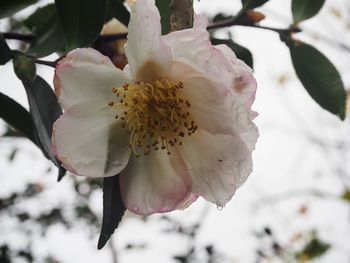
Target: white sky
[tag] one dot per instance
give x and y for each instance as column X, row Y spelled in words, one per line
column 285, row 161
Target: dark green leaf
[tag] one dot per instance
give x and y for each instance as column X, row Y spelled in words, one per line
column 61, row 173
column 346, row 195
column 164, row 10
column 319, row 77
column 313, row 249
column 113, row 209
column 9, row 7
column 45, row 110
column 251, row 4
column 240, row 51
column 5, row 51
column 81, row 21
column 16, row 116
column 305, row 9
column 44, row 24
column 24, row 66
column 117, row 10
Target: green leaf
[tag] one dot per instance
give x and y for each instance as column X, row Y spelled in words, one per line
column 5, row 51
column 24, row 66
column 9, row 7
column 320, row 78
column 45, row 25
column 305, row 9
column 113, row 209
column 346, row 195
column 251, row 4
column 313, row 249
column 164, row 10
column 61, row 173
column 81, row 21
column 45, row 110
column 16, row 116
column 240, row 51
column 117, row 10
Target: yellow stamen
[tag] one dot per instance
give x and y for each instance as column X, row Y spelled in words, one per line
column 154, row 114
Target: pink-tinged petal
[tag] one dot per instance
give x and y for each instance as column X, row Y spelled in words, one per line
column 196, row 83
column 220, row 68
column 218, row 164
column 86, row 75
column 150, row 184
column 209, row 102
column 149, row 57
column 217, row 63
column 250, row 137
column 89, row 141
column 213, row 108
column 186, row 202
column 190, row 45
column 243, row 82
column 244, row 125
column 193, row 47
column 231, row 56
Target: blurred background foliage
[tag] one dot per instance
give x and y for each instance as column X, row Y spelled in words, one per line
column 39, row 33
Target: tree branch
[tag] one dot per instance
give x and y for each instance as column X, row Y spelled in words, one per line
column 181, row 14
column 113, row 251
column 245, row 21
column 19, row 36
column 112, row 37
column 46, row 63
column 181, row 17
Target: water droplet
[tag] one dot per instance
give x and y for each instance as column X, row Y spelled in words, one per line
column 219, row 207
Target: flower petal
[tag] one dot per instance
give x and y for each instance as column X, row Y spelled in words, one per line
column 86, row 75
column 193, row 47
column 218, row 164
column 149, row 57
column 89, row 141
column 190, row 45
column 150, row 184
column 250, row 137
column 213, row 108
column 206, row 97
column 244, row 84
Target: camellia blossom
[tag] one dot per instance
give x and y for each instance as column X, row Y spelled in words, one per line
column 175, row 123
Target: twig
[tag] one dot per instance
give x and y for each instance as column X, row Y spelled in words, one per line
column 113, row 251
column 18, row 36
column 59, row 59
column 112, row 37
column 242, row 21
column 30, row 37
column 181, row 17
column 46, row 63
column 231, row 21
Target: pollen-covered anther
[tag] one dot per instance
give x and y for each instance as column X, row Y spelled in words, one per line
column 155, row 114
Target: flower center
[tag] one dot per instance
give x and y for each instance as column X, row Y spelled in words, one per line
column 154, row 114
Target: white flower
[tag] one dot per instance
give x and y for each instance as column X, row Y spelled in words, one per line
column 175, row 124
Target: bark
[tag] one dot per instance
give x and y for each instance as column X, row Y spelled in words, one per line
column 181, row 14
